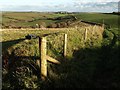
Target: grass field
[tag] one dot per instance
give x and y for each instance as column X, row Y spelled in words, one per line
column 93, row 63
column 22, row 19
column 27, row 19
column 108, row 19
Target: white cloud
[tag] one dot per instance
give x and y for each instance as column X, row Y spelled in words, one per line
column 75, row 5
column 107, row 0
column 82, row 3
column 87, row 1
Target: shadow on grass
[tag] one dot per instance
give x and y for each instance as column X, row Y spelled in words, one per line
column 16, row 68
column 7, row 44
column 89, row 68
column 5, row 54
column 8, row 60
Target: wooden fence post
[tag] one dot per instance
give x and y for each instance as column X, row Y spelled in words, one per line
column 43, row 61
column 85, row 34
column 65, row 45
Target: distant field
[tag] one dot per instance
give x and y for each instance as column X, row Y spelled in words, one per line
column 30, row 19
column 108, row 19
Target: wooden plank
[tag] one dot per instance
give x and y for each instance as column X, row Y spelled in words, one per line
column 52, row 60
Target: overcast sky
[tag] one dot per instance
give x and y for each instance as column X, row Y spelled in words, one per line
column 60, row 5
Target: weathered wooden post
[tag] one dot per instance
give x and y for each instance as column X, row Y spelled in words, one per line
column 85, row 34
column 43, row 61
column 65, row 45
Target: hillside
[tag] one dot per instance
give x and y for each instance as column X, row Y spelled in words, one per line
column 55, row 20
column 92, row 59
column 110, row 20
column 40, row 20
column 30, row 19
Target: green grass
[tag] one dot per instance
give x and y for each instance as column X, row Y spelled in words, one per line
column 15, row 45
column 82, row 67
column 21, row 18
column 108, row 19
column 93, row 63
